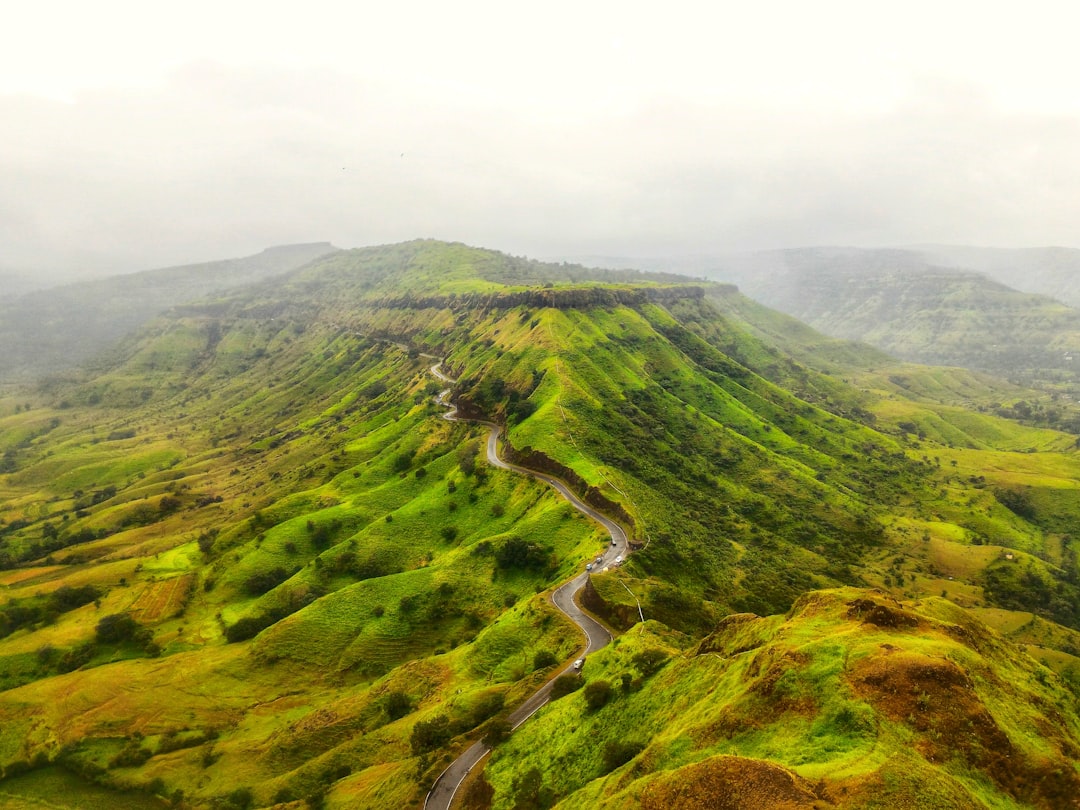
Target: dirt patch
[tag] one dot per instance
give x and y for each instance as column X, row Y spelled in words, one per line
column 870, row 611
column 731, row 783
column 935, row 698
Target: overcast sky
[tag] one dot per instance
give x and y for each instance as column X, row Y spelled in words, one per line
column 136, row 135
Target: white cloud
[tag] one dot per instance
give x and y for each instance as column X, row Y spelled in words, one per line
column 562, row 128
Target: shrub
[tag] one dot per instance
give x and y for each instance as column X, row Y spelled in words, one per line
column 496, row 731
column 131, row 756
column 206, row 540
column 519, row 553
column 260, row 583
column 617, row 753
column 75, row 658
column 241, row 798
column 67, row 598
column 564, row 685
column 427, row 735
column 597, row 694
column 397, row 704
column 116, row 628
column 544, row 659
column 649, row 661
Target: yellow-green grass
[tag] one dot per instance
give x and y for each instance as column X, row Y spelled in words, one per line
column 788, row 699
column 59, row 789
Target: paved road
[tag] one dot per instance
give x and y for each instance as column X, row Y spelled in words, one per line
column 441, row 795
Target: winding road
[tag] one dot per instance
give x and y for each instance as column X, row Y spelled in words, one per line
column 442, row 793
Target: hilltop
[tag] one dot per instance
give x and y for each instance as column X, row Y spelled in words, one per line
column 245, row 562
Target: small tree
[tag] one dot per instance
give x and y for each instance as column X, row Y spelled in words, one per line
column 564, row 685
column 496, row 732
column 116, row 627
column 544, row 659
column 597, row 694
column 397, row 704
column 427, row 735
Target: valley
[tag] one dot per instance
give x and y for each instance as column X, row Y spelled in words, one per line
column 247, row 563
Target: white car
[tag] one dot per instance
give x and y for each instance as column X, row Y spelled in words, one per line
column 618, row 560
column 579, row 664
column 588, row 566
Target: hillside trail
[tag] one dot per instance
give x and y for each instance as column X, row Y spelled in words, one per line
column 441, row 795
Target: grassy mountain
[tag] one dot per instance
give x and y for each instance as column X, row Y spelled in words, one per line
column 247, row 563
column 896, row 301
column 56, row 329
column 1052, row 271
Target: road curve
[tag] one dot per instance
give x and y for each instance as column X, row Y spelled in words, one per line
column 442, row 793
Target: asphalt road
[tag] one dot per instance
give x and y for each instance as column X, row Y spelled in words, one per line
column 441, row 795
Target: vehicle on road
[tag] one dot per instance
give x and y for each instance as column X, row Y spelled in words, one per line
column 579, row 664
column 588, row 566
column 618, row 560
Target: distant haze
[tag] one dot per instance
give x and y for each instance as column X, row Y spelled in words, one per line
column 135, row 141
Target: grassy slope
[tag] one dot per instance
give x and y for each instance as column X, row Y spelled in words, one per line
column 745, row 494
column 295, row 427
column 898, row 302
column 864, row 701
column 55, row 329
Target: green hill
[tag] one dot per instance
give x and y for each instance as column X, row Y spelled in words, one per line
column 850, row 700
column 245, row 562
column 899, row 302
column 56, row 329
column 1052, row 271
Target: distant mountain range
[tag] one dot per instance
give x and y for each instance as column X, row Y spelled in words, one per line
column 1053, row 271
column 1008, row 312
column 49, row 330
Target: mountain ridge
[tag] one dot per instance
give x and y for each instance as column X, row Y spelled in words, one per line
column 244, row 477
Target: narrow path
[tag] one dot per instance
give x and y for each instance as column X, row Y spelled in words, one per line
column 441, row 795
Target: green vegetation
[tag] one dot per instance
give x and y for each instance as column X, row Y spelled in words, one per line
column 52, row 330
column 834, row 702
column 905, row 304
column 271, row 573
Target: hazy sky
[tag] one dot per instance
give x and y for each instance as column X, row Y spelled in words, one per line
column 139, row 134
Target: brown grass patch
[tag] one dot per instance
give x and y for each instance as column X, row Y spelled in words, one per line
column 9, row 578
column 730, row 783
column 936, row 699
column 871, row 611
